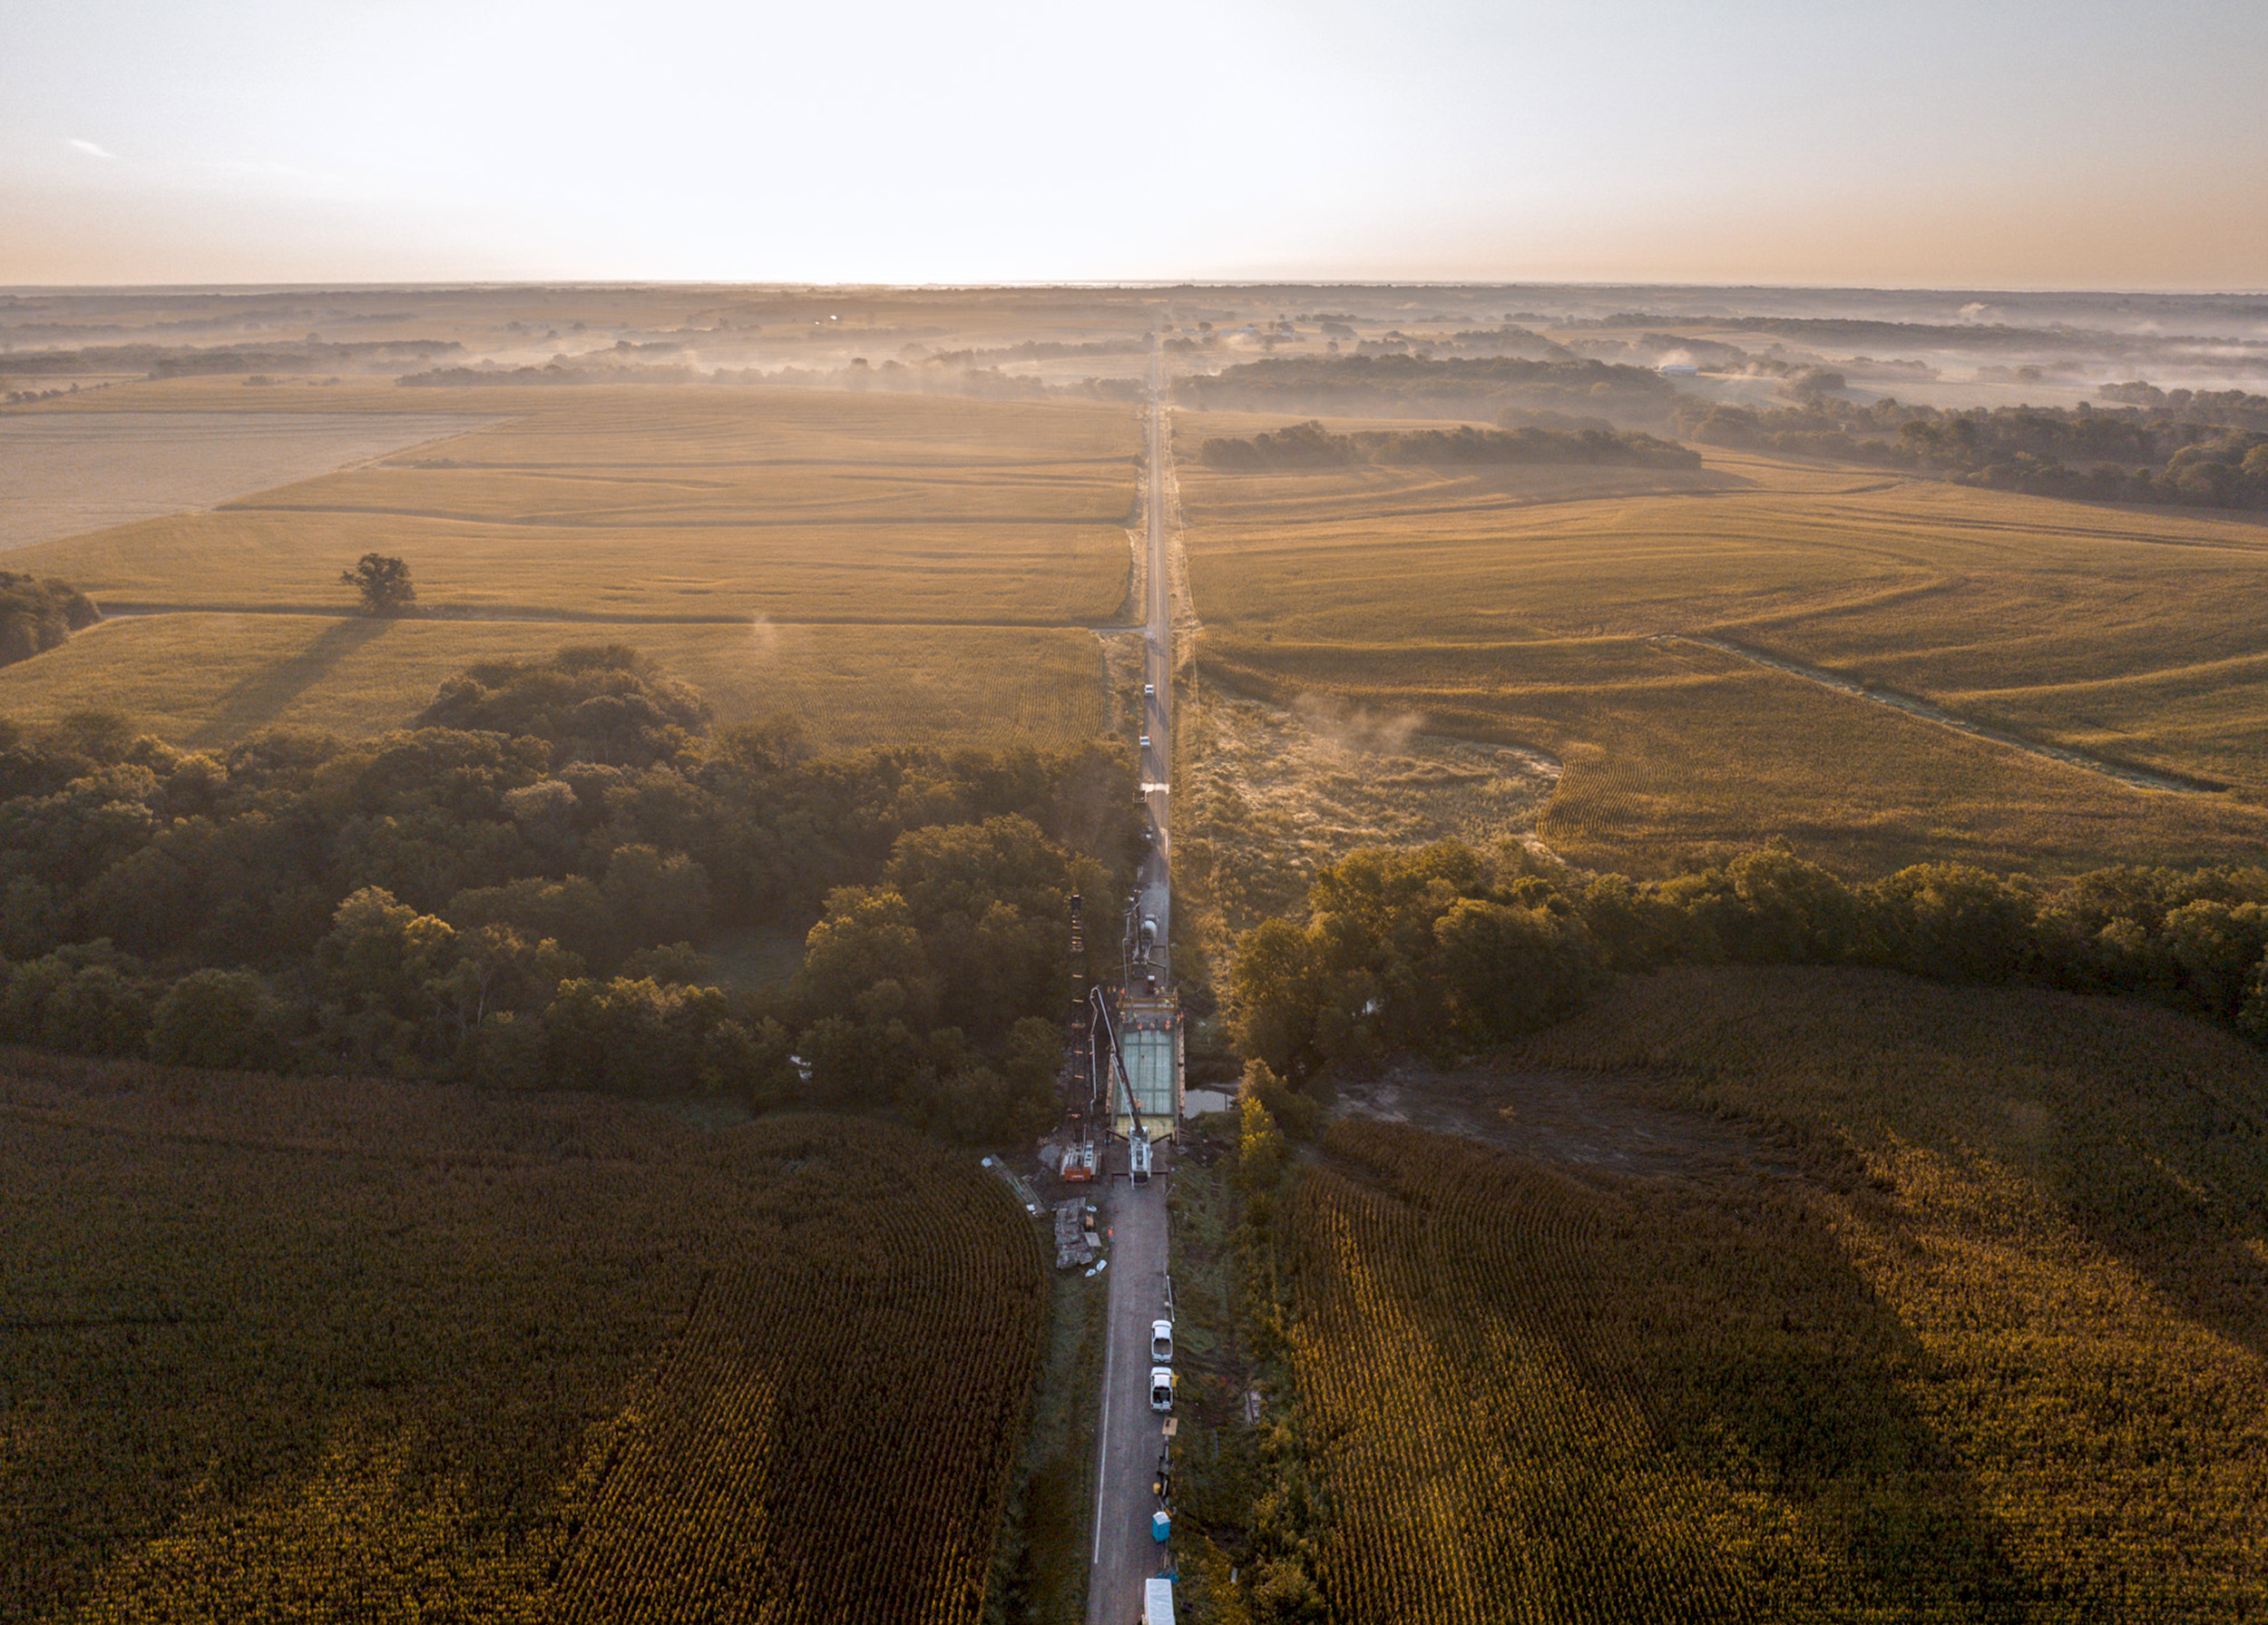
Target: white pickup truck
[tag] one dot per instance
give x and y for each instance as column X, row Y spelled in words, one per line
column 1162, row 1342
column 1160, row 1388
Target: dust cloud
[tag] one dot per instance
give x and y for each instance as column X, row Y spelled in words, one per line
column 1334, row 722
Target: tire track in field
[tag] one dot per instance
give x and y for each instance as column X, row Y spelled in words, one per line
column 2133, row 778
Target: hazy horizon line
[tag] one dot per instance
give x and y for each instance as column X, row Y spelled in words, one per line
column 1132, row 284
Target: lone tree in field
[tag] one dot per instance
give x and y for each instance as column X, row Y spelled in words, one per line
column 383, row 583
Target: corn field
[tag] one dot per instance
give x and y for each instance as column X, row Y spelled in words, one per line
column 1970, row 1330
column 341, row 1351
column 1477, row 1470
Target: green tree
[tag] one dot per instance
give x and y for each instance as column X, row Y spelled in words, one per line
column 640, row 1038
column 216, row 1018
column 867, row 938
column 384, row 971
column 1509, row 970
column 1272, row 996
column 84, row 996
column 655, row 897
column 383, row 581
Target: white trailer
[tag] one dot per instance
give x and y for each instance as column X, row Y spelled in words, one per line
column 1158, row 1601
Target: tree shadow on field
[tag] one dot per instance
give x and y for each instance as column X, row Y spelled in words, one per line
column 259, row 698
column 1751, row 1337
column 1768, row 1374
column 2175, row 1186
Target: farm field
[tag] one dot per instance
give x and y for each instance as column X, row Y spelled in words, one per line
column 1543, row 624
column 1273, row 795
column 674, row 502
column 61, row 474
column 202, row 681
column 385, row 1351
column 1973, row 1327
column 889, row 567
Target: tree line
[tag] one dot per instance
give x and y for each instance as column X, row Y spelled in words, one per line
column 510, row 892
column 1446, row 949
column 38, row 614
column 2201, row 449
column 1312, row 445
column 1459, row 386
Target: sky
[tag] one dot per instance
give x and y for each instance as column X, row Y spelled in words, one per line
column 1988, row 143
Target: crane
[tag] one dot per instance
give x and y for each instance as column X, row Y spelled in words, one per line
column 1137, row 1158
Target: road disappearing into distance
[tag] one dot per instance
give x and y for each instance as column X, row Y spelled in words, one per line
column 1129, row 1434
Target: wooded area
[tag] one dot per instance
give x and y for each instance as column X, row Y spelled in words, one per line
column 510, row 891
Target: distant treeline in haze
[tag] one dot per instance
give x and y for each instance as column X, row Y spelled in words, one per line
column 2207, row 448
column 185, row 360
column 1311, row 445
column 1457, row 386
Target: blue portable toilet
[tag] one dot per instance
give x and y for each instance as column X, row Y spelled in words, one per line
column 1161, row 1526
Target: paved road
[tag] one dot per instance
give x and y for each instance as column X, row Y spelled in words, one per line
column 1156, row 765
column 1129, row 1434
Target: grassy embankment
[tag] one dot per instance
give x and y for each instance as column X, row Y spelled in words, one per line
column 357, row 1350
column 1976, row 1331
column 889, row 567
column 1501, row 607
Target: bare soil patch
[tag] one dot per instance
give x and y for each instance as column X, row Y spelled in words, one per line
column 1586, row 1122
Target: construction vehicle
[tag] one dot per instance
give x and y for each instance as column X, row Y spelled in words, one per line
column 1138, row 1150
column 1080, row 1160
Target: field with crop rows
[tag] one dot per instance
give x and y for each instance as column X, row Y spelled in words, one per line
column 674, row 502
column 892, row 567
column 1521, row 619
column 345, row 1351
column 1975, row 1329
column 1475, row 1471
column 203, row 679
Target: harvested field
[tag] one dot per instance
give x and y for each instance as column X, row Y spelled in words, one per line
column 888, row 568
column 385, row 1350
column 65, row 473
column 699, row 501
column 205, row 680
column 1533, row 627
